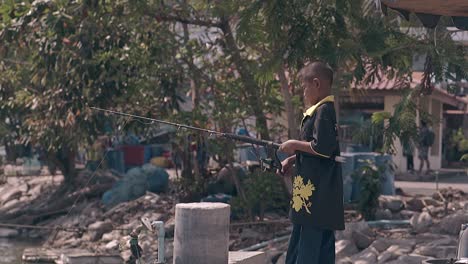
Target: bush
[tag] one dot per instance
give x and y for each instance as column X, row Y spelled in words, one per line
column 263, row 192
column 368, row 177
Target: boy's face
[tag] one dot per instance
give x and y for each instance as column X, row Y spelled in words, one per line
column 311, row 90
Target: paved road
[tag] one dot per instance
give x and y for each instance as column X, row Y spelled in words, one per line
column 428, row 188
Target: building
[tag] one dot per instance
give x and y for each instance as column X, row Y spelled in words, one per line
column 358, row 103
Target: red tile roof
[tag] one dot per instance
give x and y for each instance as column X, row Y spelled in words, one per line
column 383, row 83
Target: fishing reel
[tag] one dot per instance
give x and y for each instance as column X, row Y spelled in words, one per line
column 272, row 165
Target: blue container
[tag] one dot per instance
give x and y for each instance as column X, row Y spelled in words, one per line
column 360, row 160
column 247, row 152
column 357, row 148
column 157, row 151
column 147, row 154
column 347, row 169
column 388, row 176
column 115, row 160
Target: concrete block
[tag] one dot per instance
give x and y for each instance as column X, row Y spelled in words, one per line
column 90, row 258
column 247, row 257
column 201, row 233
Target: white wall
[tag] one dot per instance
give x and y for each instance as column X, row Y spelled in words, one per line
column 398, row 159
column 435, row 108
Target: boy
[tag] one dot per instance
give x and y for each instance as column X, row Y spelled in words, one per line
column 317, row 201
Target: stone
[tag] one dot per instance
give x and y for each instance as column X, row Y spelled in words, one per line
column 8, row 233
column 451, row 224
column 97, row 229
column 386, row 257
column 421, row 221
column 436, row 240
column 393, row 203
column 367, row 256
column 346, row 260
column 434, row 211
column 383, row 214
column 10, row 194
column 414, row 204
column 114, row 234
column 436, row 251
column 152, row 216
column 272, row 254
column 362, row 240
column 71, row 243
column 393, row 252
column 360, row 226
column 426, row 251
column 249, row 233
column 114, row 244
column 464, row 205
column 247, row 257
column 345, row 248
column 381, row 244
column 169, row 226
column 430, row 201
column 282, row 259
column 407, row 214
column 11, row 203
column 35, row 191
column 24, row 188
column 411, row 259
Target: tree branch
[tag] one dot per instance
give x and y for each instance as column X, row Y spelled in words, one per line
column 188, row 21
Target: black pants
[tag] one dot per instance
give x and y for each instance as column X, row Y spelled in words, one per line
column 409, row 162
column 310, row 245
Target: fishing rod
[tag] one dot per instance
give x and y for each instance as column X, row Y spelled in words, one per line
column 268, row 164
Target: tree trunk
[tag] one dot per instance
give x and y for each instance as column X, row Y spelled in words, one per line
column 251, row 88
column 64, row 159
column 336, row 92
column 10, row 152
column 293, row 131
column 186, row 159
column 194, row 80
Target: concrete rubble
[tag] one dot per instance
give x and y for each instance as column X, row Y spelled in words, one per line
column 432, row 232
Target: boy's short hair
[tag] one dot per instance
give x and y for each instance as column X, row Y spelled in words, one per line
column 316, row 69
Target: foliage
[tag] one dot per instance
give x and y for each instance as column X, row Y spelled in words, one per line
column 459, row 142
column 368, row 177
column 264, row 192
column 369, row 134
column 58, row 57
column 402, row 124
column 75, row 55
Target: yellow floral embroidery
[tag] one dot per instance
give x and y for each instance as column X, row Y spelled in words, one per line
column 301, row 194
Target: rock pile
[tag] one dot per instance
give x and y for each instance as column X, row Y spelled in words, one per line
column 431, row 229
column 434, row 225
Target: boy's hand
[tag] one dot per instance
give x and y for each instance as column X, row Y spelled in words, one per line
column 286, row 166
column 289, row 147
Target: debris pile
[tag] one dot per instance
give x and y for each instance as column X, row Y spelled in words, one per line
column 423, row 226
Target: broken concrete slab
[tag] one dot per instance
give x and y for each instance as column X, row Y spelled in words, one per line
column 247, row 257
column 44, row 255
column 90, row 258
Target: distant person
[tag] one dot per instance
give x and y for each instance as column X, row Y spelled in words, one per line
column 408, row 151
column 426, row 140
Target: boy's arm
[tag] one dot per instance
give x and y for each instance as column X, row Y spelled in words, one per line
column 291, row 146
column 324, row 136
